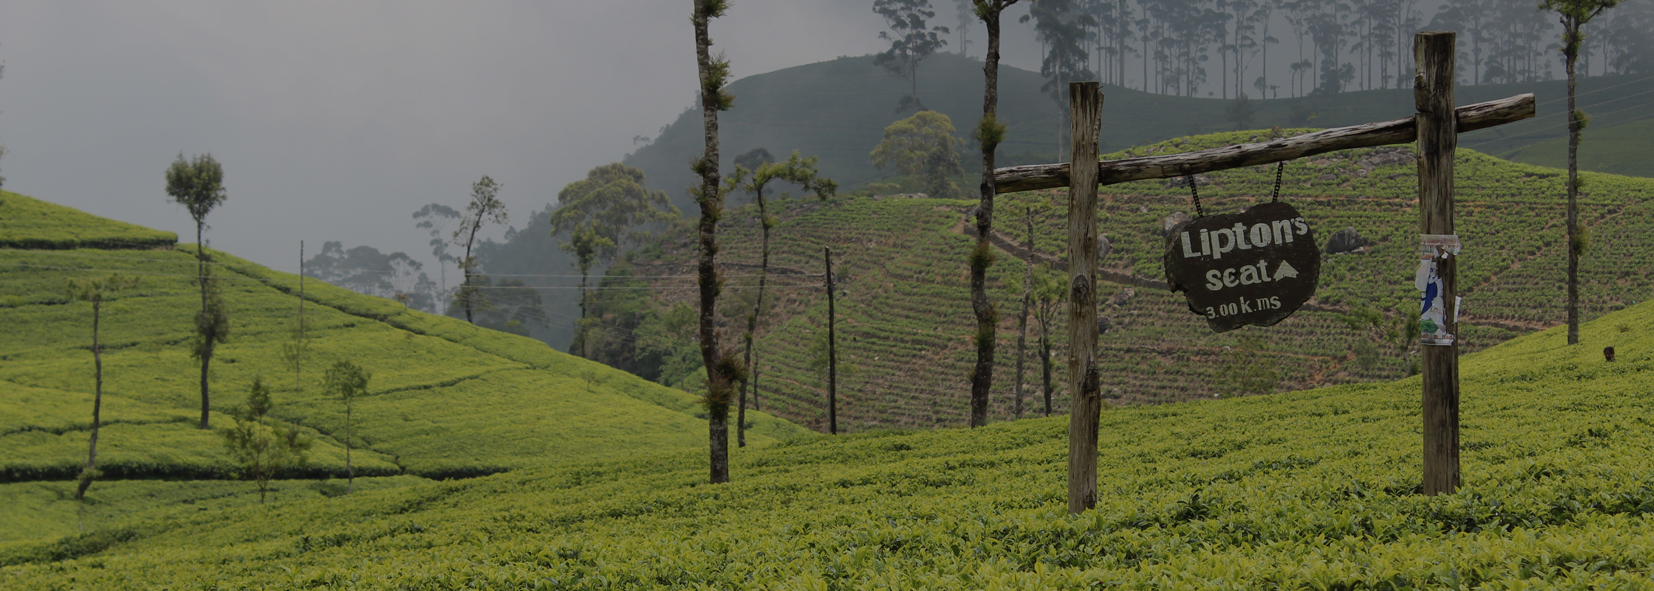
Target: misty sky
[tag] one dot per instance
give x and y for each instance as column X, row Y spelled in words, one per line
column 336, row 120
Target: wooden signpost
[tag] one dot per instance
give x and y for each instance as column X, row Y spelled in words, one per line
column 1256, row 267
column 1435, row 130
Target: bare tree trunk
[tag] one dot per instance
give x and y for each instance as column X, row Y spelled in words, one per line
column 1022, row 319
column 206, row 359
column 1571, row 56
column 97, row 405
column 752, row 320
column 1437, row 141
column 741, row 406
column 832, row 349
column 201, row 276
column 585, row 348
column 298, row 361
column 466, row 288
column 350, row 472
column 989, row 133
column 1045, row 367
column 1086, row 404
column 711, row 202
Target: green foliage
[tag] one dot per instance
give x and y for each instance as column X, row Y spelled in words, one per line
column 923, row 145
column 26, row 222
column 990, row 132
column 610, row 203
column 260, row 448
column 197, row 184
column 1314, row 489
column 794, row 170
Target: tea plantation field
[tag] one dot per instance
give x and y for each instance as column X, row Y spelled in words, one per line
column 904, row 303
column 1314, row 489
column 446, row 399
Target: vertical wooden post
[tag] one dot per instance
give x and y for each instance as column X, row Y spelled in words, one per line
column 1085, row 104
column 832, row 349
column 1437, row 139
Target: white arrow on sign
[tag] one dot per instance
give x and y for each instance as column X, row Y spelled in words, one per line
column 1285, row 270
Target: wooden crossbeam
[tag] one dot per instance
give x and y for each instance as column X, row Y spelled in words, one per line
column 1398, row 131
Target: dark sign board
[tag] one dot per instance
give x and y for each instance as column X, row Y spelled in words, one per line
column 1256, row 267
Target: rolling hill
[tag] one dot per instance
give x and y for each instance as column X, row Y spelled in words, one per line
column 1316, row 489
column 446, row 399
column 904, row 302
column 838, row 109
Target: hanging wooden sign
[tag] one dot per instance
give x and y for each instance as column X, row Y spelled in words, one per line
column 1256, row 267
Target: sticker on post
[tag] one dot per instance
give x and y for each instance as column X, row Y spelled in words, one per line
column 1434, row 248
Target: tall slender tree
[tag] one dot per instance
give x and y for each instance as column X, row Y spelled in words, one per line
column 485, row 206
column 95, row 290
column 1574, row 14
column 795, row 170
column 198, row 185
column 348, row 382
column 989, row 133
column 911, row 41
column 723, row 369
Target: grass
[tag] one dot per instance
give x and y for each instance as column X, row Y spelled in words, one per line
column 1310, row 489
column 446, row 398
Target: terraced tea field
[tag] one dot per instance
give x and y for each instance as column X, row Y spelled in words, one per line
column 905, row 321
column 446, row 399
column 1315, row 489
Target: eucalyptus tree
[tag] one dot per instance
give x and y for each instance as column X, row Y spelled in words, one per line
column 198, row 185
column 911, row 41
column 795, row 170
column 485, row 206
column 989, row 133
column 434, row 217
column 1063, row 28
column 723, row 370
column 1574, row 14
column 602, row 213
column 95, row 290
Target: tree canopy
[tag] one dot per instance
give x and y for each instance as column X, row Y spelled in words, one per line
column 923, row 145
column 911, row 41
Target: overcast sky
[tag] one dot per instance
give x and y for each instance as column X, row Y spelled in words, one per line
column 336, row 120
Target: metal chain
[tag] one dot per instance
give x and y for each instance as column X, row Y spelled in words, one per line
column 1281, row 166
column 1195, row 192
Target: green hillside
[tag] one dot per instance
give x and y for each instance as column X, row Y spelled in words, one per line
column 446, row 399
column 26, row 222
column 1622, row 149
column 1308, row 490
column 905, row 300
column 838, row 110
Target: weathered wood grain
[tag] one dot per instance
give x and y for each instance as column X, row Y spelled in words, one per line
column 1086, row 105
column 1398, row 131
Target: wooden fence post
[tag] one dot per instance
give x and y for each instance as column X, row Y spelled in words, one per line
column 832, row 349
column 1085, row 108
column 1437, row 139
